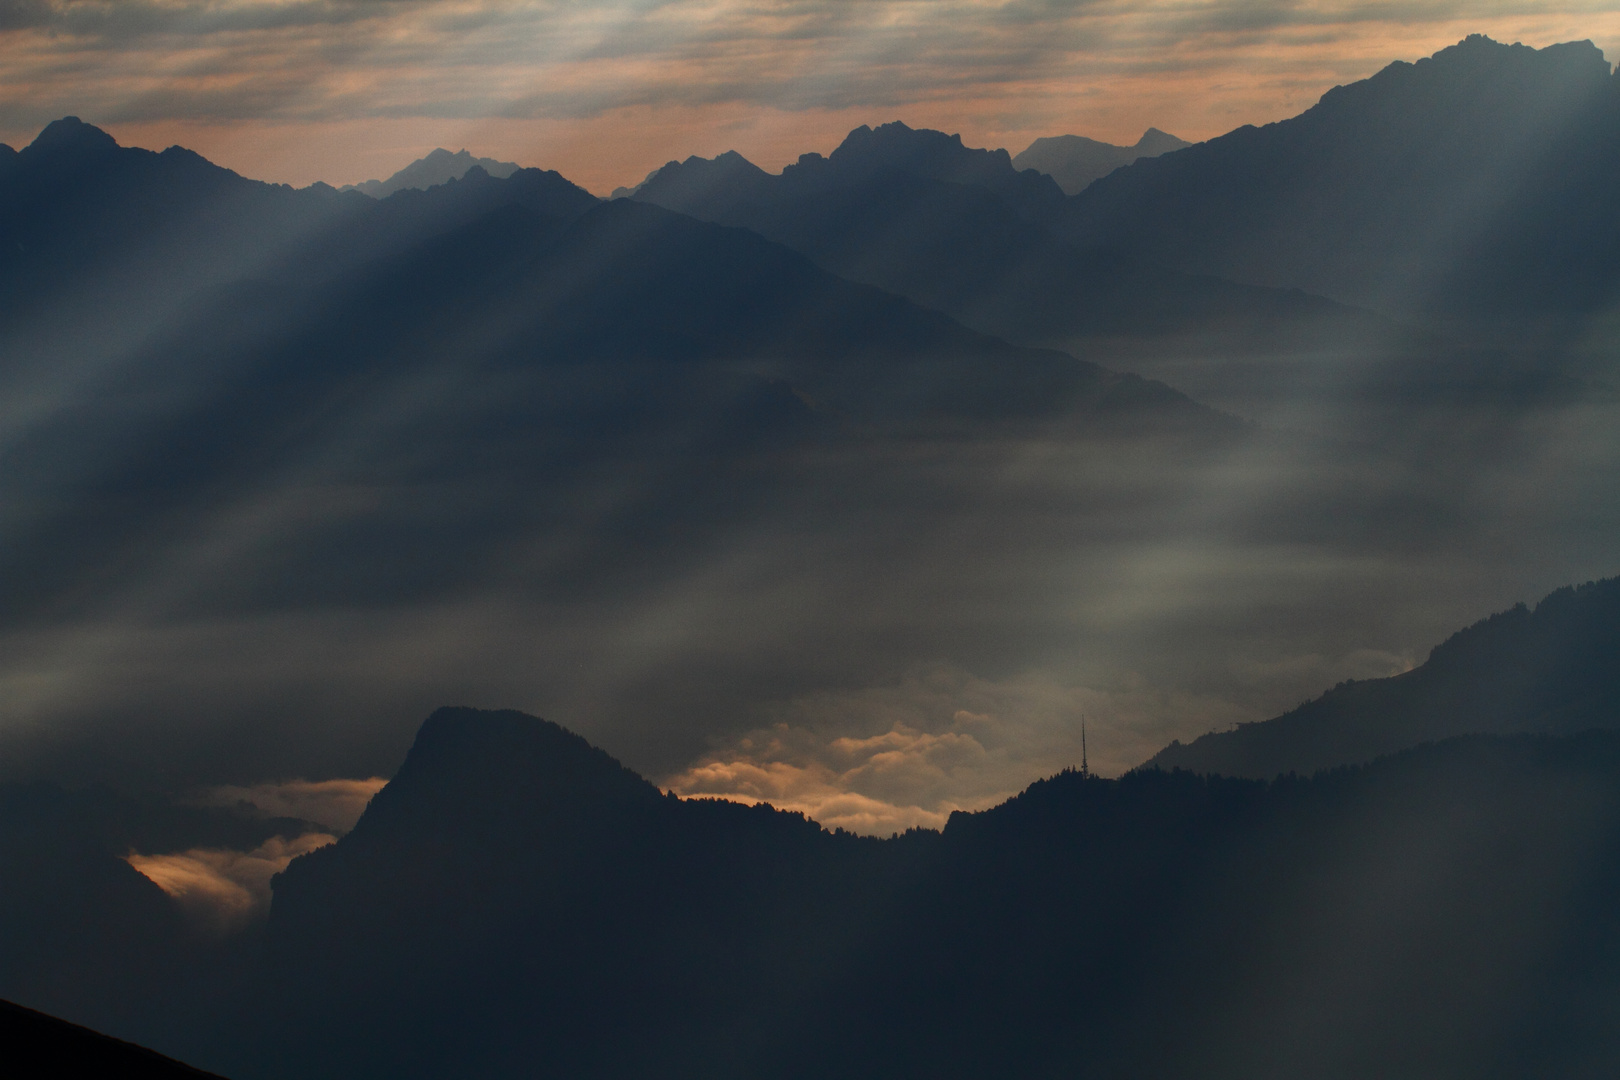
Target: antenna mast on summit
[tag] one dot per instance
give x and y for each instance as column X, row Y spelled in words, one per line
column 1085, row 768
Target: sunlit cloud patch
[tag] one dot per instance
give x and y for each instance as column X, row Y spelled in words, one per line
column 889, row 758
column 225, row 890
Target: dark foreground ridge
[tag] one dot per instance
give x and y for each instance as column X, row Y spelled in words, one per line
column 39, row 1046
column 1551, row 670
column 518, row 903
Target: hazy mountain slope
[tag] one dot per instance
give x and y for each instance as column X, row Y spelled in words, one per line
column 515, row 356
column 87, row 221
column 108, row 233
column 1469, row 182
column 39, row 1046
column 1074, row 161
column 1551, row 669
column 439, row 167
column 516, row 900
column 963, row 232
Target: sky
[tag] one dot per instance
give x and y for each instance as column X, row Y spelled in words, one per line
column 603, row 91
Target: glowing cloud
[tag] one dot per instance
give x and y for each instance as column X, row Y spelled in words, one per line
column 225, row 890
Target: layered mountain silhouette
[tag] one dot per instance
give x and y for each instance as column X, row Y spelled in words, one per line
column 1550, row 669
column 1472, row 183
column 93, row 230
column 439, row 167
column 1074, row 161
column 518, row 336
column 516, row 902
column 964, row 232
column 39, row 1046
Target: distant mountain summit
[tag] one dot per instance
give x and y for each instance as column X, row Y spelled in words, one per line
column 437, row 168
column 1075, row 161
column 1551, row 670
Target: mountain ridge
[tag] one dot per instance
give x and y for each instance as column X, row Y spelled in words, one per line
column 959, row 230
column 1525, row 669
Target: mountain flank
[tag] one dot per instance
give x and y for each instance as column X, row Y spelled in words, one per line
column 1472, row 184
column 1551, row 669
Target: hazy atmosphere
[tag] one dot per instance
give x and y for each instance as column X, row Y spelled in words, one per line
column 743, row 404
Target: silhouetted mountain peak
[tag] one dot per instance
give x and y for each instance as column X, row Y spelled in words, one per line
column 1155, row 142
column 699, row 180
column 477, row 767
column 923, row 151
column 894, row 148
column 70, row 135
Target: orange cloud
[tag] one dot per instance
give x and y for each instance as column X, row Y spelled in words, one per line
column 225, row 890
column 889, row 758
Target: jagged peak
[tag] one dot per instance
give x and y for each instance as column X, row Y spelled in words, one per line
column 476, row 764
column 70, row 134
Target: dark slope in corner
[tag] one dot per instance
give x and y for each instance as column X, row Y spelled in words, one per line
column 1476, row 179
column 1554, row 669
column 963, row 232
column 37, row 1047
column 515, row 900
